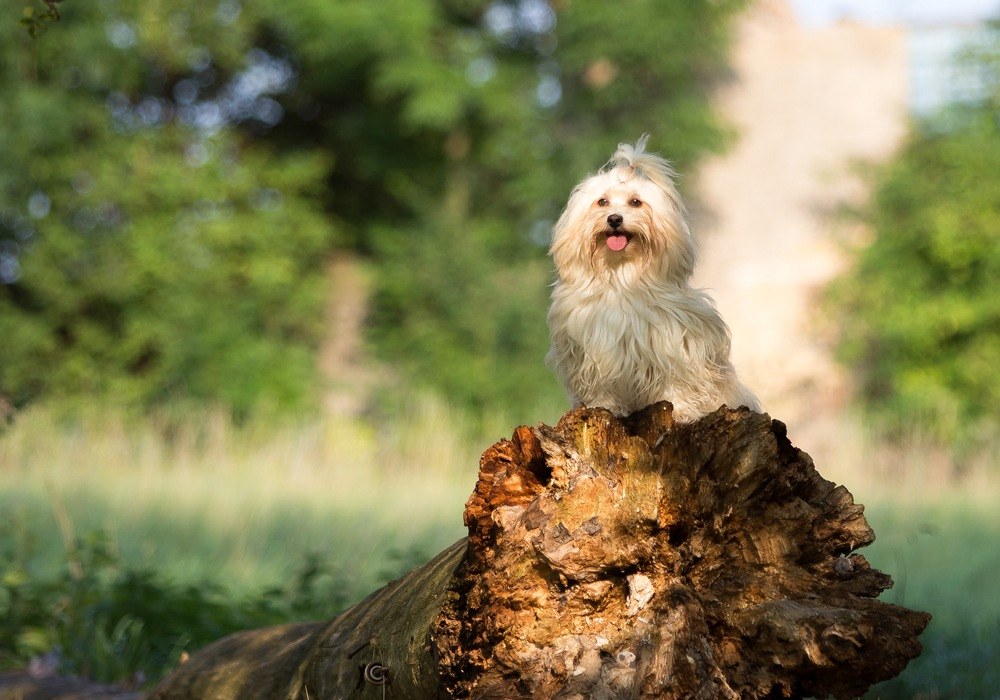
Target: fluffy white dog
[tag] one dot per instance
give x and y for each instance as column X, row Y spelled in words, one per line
column 627, row 328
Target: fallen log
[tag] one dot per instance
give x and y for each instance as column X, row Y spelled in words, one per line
column 609, row 558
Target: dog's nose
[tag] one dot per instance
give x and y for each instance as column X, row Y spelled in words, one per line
column 614, row 220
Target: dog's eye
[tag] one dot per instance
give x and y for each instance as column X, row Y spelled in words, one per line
column 635, row 202
column 602, row 202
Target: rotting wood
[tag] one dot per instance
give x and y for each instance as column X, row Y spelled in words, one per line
column 643, row 559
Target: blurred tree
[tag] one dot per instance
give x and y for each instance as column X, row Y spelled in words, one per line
column 37, row 16
column 148, row 251
column 920, row 308
column 457, row 129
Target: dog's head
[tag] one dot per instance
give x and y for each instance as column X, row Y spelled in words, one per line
column 626, row 218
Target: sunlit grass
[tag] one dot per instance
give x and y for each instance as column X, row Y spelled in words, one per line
column 242, row 505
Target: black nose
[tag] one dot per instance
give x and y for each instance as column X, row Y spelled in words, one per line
column 614, row 220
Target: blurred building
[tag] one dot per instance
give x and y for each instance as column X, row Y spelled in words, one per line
column 817, row 87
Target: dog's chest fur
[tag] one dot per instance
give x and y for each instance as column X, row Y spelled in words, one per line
column 625, row 348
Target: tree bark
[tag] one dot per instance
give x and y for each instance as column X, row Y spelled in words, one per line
column 643, row 559
column 609, row 558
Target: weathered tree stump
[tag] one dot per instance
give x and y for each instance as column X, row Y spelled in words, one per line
column 642, row 559
column 609, row 558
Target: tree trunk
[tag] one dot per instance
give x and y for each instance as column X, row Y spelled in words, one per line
column 609, row 558
column 643, row 559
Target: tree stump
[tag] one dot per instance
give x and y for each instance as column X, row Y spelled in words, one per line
column 643, row 559
column 609, row 558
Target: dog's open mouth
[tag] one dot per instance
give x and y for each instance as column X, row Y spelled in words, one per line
column 617, row 240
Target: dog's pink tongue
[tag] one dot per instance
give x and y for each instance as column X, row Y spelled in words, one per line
column 617, row 242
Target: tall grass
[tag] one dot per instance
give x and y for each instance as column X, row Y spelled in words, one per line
column 199, row 499
column 205, row 498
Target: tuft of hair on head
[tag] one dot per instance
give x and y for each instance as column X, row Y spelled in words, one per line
column 633, row 160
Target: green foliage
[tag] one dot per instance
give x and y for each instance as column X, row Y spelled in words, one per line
column 478, row 338
column 36, row 17
column 146, row 259
column 107, row 621
column 153, row 278
column 920, row 308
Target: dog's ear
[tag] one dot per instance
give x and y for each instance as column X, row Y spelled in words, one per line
column 682, row 256
column 671, row 240
column 569, row 239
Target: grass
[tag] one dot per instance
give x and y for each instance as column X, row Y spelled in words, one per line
column 944, row 557
column 241, row 505
column 264, row 522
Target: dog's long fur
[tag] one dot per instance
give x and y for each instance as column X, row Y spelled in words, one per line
column 627, row 329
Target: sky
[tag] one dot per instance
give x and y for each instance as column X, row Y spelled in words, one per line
column 914, row 13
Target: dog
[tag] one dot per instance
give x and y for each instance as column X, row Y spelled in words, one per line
column 627, row 329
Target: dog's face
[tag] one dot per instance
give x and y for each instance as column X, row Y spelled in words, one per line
column 628, row 219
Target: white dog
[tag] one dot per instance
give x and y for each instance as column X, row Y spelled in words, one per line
column 627, row 329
